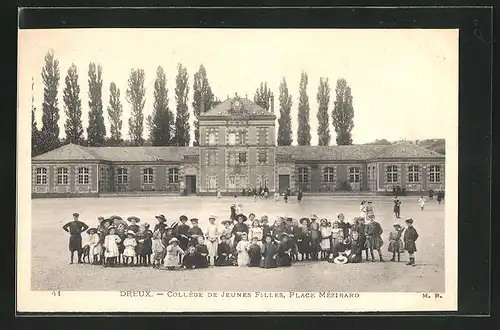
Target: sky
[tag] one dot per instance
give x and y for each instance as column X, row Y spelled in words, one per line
column 404, row 82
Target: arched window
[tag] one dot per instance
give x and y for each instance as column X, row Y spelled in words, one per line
column 83, row 175
column 435, row 173
column 392, row 174
column 329, row 174
column 122, row 176
column 303, row 175
column 41, row 175
column 62, row 176
column 147, row 175
column 354, row 175
column 413, row 174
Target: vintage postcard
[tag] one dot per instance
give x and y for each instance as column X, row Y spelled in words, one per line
column 237, row 170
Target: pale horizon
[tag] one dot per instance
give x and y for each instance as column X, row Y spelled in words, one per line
column 404, row 82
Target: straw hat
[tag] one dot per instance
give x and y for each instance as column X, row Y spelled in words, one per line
column 130, row 232
column 133, row 218
column 341, row 259
column 173, row 240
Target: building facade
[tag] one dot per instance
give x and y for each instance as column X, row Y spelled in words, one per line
column 237, row 151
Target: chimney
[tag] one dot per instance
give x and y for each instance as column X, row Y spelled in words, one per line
column 272, row 103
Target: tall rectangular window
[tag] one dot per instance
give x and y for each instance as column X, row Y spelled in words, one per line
column 262, row 136
column 41, row 175
column 122, row 176
column 262, row 157
column 242, row 138
column 211, row 158
column 242, row 158
column 62, row 175
column 173, row 175
column 83, row 175
column 303, row 175
column 435, row 173
column 392, row 174
column 354, row 175
column 329, row 174
column 147, row 175
column 211, row 182
column 413, row 174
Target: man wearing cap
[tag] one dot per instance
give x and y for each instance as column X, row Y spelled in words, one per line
column 75, row 228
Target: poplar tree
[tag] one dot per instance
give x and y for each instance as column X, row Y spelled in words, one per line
column 49, row 135
column 343, row 113
column 203, row 99
column 285, row 119
column 136, row 97
column 181, row 137
column 73, row 107
column 96, row 130
column 304, row 129
column 115, row 110
column 323, row 98
column 161, row 122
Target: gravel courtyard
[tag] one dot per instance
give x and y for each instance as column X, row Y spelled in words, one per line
column 50, row 256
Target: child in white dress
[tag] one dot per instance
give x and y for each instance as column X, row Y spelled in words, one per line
column 242, row 249
column 212, row 234
column 111, row 247
column 95, row 248
column 158, row 249
column 421, row 202
column 255, row 231
column 326, row 232
column 130, row 243
column 173, row 254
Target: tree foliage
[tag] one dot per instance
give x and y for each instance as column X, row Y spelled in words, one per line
column 96, row 130
column 262, row 96
column 73, row 107
column 285, row 119
column 181, row 137
column 323, row 98
column 49, row 135
column 343, row 113
column 203, row 99
column 304, row 129
column 161, row 122
column 115, row 110
column 136, row 97
column 35, row 133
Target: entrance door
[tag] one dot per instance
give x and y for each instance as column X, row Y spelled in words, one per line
column 284, row 183
column 191, row 184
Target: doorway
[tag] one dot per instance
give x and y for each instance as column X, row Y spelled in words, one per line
column 191, row 184
column 284, row 183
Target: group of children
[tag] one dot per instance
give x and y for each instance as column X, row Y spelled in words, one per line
column 115, row 241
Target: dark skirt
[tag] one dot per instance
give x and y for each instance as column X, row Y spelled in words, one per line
column 75, row 243
column 201, row 261
column 141, row 249
column 222, row 261
column 337, row 248
column 189, row 261
column 373, row 242
column 284, row 260
column 410, row 246
column 304, row 245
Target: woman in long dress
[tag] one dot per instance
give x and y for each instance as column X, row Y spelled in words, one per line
column 326, row 233
column 242, row 249
column 111, row 247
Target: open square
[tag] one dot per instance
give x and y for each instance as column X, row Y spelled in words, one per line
column 50, row 268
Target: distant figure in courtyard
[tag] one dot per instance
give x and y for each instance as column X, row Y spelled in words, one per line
column 218, row 193
column 431, row 194
column 439, row 196
column 299, row 196
column 75, row 229
column 397, row 207
column 421, row 202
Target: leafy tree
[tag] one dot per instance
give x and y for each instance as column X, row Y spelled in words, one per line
column 73, row 107
column 182, row 128
column 203, row 99
column 161, row 123
column 323, row 98
column 35, row 133
column 304, row 130
column 343, row 113
column 49, row 135
column 96, row 130
column 136, row 97
column 285, row 120
column 262, row 96
column 115, row 110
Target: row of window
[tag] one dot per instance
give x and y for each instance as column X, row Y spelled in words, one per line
column 235, row 158
column 83, row 175
column 239, row 138
column 328, row 174
column 414, row 174
column 237, row 181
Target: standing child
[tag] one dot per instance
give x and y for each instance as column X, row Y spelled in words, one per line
column 395, row 242
column 181, row 233
column 94, row 244
column 148, row 244
column 130, row 243
column 194, row 232
column 326, row 233
column 266, row 229
column 121, row 248
column 254, row 252
column 227, row 231
column 409, row 239
column 242, row 249
column 212, row 234
column 421, row 202
column 141, row 246
column 269, row 253
column 161, row 225
column 337, row 240
column 359, row 227
column 134, row 223
column 255, row 230
column 373, row 233
column 111, row 247
column 158, row 249
column 397, row 207
column 304, row 239
column 239, row 229
column 223, row 251
column 174, row 254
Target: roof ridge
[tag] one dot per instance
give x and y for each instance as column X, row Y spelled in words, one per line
column 85, row 150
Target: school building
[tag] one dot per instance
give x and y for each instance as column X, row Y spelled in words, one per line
column 237, row 151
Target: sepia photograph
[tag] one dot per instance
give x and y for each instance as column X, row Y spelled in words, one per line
column 237, row 169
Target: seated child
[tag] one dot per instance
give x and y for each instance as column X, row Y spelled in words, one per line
column 189, row 260
column 284, row 252
column 223, row 252
column 201, row 253
column 173, row 252
column 355, row 247
column 254, row 252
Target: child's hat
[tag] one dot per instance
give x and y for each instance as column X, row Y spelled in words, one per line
column 111, row 227
column 302, row 220
column 211, row 216
column 174, row 225
column 130, row 232
column 131, row 218
column 241, row 215
column 194, row 220
column 173, row 240
column 226, row 221
column 161, row 218
column 115, row 217
column 76, row 214
column 396, row 225
column 91, row 229
column 341, row 259
column 409, row 220
column 183, row 218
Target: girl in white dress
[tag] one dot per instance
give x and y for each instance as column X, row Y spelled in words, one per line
column 212, row 235
column 255, row 231
column 421, row 202
column 242, row 249
column 173, row 253
column 94, row 245
column 111, row 247
column 326, row 232
column 130, row 243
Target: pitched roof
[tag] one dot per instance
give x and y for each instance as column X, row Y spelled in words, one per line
column 224, row 109
column 358, row 152
column 146, row 154
column 67, row 152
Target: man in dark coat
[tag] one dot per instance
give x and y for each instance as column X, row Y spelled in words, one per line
column 75, row 229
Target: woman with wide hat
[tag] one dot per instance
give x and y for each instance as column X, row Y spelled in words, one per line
column 161, row 225
column 239, row 228
column 194, row 232
column 182, row 232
